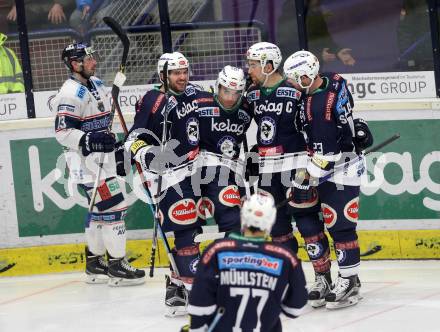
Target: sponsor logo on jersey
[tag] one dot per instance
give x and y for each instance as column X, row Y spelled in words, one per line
column 204, row 100
column 267, row 130
column 190, row 90
column 66, row 108
column 282, row 251
column 81, row 92
column 215, row 247
column 244, row 116
column 95, row 123
column 183, row 212
column 329, row 106
column 204, row 204
column 227, row 126
column 329, row 214
column 186, row 109
column 157, row 103
column 351, row 210
column 309, row 109
column 230, row 196
column 270, row 151
column 250, row 261
column 276, row 108
column 192, row 131
column 98, row 82
column 209, row 111
column 288, row 93
column 227, row 146
column 253, row 96
column 172, row 102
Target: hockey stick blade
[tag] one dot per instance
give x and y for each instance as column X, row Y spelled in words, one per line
column 117, row 29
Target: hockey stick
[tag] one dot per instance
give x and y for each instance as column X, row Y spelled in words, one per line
column 146, row 190
column 218, row 315
column 247, row 176
column 118, row 82
column 346, row 165
column 159, row 180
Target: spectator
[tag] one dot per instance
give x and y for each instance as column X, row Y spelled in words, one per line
column 319, row 38
column 414, row 37
column 4, row 10
column 43, row 14
column 80, row 17
column 11, row 76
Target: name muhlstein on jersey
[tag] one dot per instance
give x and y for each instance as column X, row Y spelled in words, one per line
column 248, row 278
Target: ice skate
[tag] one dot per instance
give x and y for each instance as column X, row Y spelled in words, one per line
column 176, row 298
column 345, row 293
column 320, row 289
column 121, row 273
column 96, row 268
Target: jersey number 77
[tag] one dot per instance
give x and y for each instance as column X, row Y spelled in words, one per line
column 245, row 293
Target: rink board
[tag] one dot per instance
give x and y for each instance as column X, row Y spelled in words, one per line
column 375, row 245
column 401, row 189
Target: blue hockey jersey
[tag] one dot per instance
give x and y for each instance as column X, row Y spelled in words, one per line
column 274, row 112
column 252, row 279
column 222, row 131
column 182, row 123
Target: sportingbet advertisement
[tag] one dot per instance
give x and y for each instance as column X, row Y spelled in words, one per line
column 399, row 205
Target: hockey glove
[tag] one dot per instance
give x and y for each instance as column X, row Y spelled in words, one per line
column 363, row 138
column 301, row 187
column 97, row 142
column 252, row 162
column 120, row 159
column 185, row 328
column 152, row 158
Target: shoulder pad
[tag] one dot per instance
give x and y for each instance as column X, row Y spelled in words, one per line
column 253, row 94
column 190, row 90
column 215, row 247
column 282, row 251
column 97, row 81
column 243, row 115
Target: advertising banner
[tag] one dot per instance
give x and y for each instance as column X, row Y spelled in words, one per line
column 402, row 182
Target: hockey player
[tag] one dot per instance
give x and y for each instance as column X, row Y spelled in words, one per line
column 81, row 126
column 251, row 279
column 224, row 120
column 332, row 138
column 178, row 199
column 273, row 101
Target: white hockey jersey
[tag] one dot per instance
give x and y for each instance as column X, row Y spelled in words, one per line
column 81, row 109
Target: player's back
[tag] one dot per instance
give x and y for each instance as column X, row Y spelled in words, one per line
column 255, row 281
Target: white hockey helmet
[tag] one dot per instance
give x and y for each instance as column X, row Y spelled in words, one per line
column 176, row 60
column 265, row 52
column 301, row 63
column 258, row 211
column 231, row 78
